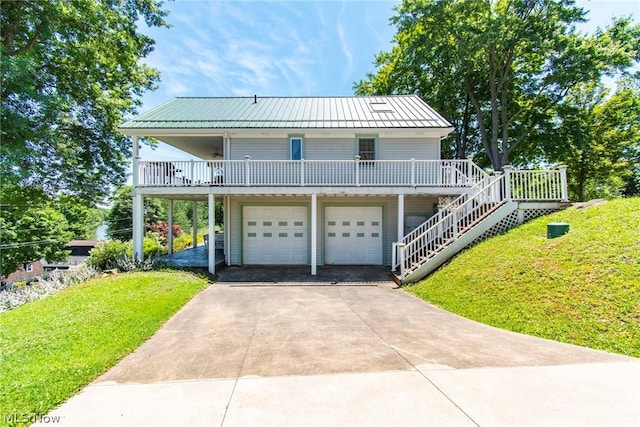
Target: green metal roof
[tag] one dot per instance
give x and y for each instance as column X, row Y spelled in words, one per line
column 357, row 112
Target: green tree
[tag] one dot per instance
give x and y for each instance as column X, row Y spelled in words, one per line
column 30, row 229
column 599, row 139
column 512, row 61
column 83, row 220
column 120, row 217
column 70, row 72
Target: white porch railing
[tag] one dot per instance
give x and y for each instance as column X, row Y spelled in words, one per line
column 438, row 173
column 536, row 185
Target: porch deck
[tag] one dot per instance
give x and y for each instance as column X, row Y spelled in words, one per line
column 193, row 257
column 312, row 173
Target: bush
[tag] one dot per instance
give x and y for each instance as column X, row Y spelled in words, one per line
column 182, row 242
column 162, row 229
column 106, row 254
column 152, row 245
column 128, row 264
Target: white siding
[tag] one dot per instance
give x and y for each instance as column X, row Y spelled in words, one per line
column 259, row 149
column 419, row 205
column 404, row 149
column 330, row 149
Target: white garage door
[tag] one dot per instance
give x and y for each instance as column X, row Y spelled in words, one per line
column 275, row 235
column 353, row 235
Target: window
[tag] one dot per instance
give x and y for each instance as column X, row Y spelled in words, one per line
column 28, row 268
column 295, row 145
column 367, row 149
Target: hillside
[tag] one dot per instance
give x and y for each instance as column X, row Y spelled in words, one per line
column 581, row 288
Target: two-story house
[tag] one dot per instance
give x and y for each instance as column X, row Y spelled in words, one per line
column 311, row 180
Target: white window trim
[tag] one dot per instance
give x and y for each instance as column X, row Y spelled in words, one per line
column 376, row 146
column 291, row 139
column 28, row 267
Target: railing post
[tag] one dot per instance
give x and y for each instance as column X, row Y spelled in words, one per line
column 452, row 174
column 302, row 172
column 507, row 181
column 496, row 189
column 470, row 181
column 413, row 172
column 247, row 159
column 135, row 176
column 563, row 183
column 193, row 176
column 454, row 225
column 357, row 172
column 401, row 249
column 394, row 255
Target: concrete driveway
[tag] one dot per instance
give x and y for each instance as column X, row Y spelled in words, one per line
column 363, row 353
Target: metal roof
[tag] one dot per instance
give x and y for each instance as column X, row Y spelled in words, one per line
column 357, row 112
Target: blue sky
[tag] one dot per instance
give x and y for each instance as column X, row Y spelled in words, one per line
column 283, row 48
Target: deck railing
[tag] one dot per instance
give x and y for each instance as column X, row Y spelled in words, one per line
column 536, row 185
column 248, row 172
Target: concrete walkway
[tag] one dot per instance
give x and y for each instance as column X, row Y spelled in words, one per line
column 323, row 354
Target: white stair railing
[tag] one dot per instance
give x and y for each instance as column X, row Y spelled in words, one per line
column 448, row 225
column 466, row 211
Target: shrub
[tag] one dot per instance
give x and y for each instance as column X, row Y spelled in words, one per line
column 128, row 264
column 106, row 254
column 54, row 283
column 182, row 242
column 152, row 245
column 162, row 229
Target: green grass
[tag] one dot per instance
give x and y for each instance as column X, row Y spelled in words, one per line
column 53, row 347
column 581, row 288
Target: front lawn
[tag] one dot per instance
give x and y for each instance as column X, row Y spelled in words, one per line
column 51, row 348
column 581, row 288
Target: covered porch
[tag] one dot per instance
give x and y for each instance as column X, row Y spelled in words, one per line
column 194, row 257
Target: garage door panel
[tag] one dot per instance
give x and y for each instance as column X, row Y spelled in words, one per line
column 275, row 235
column 353, row 235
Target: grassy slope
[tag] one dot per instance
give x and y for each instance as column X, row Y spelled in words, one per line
column 582, row 288
column 53, row 347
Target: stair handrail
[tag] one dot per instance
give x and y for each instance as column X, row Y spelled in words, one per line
column 443, row 211
column 451, row 218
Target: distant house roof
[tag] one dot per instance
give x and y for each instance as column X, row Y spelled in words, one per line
column 89, row 243
column 349, row 112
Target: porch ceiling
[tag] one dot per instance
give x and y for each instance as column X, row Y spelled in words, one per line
column 205, row 147
column 201, row 193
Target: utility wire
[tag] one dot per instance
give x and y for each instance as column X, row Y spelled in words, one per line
column 23, row 244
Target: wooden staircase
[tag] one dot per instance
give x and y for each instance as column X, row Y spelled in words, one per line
column 470, row 216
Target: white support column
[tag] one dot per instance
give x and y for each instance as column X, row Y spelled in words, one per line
column 135, row 167
column 227, row 230
column 225, row 148
column 137, row 222
column 212, row 234
column 400, row 217
column 194, row 221
column 138, row 225
column 170, row 227
column 314, row 234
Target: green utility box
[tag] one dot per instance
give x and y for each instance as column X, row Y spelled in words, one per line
column 557, row 229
